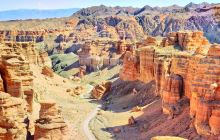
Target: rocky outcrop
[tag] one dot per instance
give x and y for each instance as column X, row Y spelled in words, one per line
column 146, row 64
column 97, row 54
column 100, row 91
column 186, row 40
column 29, row 50
column 47, row 71
column 22, row 36
column 172, row 92
column 13, row 114
column 181, row 76
column 130, row 69
column 205, row 88
column 50, row 125
column 82, row 71
column 16, row 75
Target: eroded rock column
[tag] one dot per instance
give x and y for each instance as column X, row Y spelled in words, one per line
column 50, row 125
column 172, row 91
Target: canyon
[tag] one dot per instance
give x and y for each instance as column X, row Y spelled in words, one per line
column 181, row 76
column 112, row 73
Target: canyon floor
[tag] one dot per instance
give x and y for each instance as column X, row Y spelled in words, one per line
column 108, row 119
column 76, row 110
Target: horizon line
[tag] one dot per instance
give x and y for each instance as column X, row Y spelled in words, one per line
column 97, row 6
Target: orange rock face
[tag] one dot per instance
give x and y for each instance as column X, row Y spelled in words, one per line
column 130, row 70
column 50, row 125
column 172, row 91
column 149, row 41
column 146, row 65
column 205, row 90
column 16, row 75
column 13, row 114
column 181, row 75
column 186, row 40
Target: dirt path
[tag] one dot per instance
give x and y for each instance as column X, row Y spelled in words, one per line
column 86, row 128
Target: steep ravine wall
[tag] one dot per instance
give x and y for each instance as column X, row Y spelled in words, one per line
column 190, row 75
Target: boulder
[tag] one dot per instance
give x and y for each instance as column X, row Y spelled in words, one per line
column 47, row 71
column 100, row 91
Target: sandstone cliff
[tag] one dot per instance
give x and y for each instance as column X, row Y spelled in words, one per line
column 191, row 72
column 13, row 114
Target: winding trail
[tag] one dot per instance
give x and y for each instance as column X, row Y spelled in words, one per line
column 86, row 128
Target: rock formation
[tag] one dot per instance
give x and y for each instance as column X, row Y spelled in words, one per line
column 50, row 125
column 97, row 54
column 146, row 65
column 180, row 75
column 130, row 70
column 47, row 71
column 100, row 91
column 186, row 40
column 172, row 92
column 22, row 36
column 16, row 74
column 13, row 114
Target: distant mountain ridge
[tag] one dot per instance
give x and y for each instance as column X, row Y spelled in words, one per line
column 23, row 14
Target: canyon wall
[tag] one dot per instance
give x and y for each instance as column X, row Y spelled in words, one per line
column 22, row 36
column 16, row 87
column 97, row 54
column 13, row 114
column 189, row 72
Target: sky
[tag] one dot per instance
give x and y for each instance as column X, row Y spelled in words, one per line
column 64, row 4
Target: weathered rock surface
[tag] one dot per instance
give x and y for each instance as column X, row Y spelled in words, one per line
column 23, row 36
column 13, row 114
column 146, row 65
column 16, row 74
column 130, row 70
column 180, row 76
column 100, row 91
column 172, row 92
column 97, row 54
column 186, row 40
column 50, row 125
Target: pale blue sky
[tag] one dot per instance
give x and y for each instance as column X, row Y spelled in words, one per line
column 63, row 4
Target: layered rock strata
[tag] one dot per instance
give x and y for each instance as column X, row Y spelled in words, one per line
column 50, row 125
column 16, row 75
column 22, row 36
column 13, row 114
column 185, row 40
column 97, row 54
column 182, row 75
